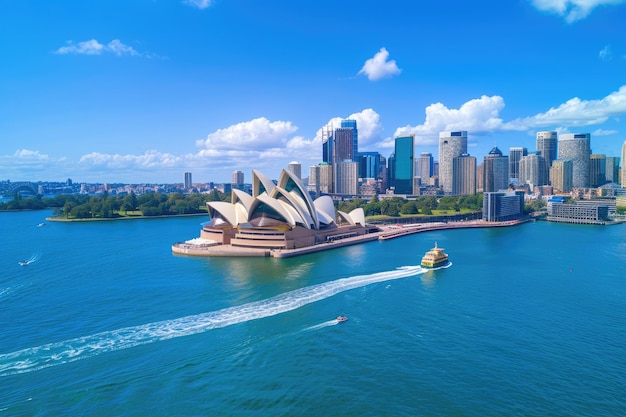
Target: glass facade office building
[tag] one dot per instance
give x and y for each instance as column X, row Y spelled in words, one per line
column 354, row 142
column 403, row 165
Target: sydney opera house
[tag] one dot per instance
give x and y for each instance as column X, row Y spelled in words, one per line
column 277, row 216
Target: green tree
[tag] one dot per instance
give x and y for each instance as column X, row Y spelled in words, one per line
column 409, row 208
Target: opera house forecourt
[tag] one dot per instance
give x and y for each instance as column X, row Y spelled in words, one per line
column 277, row 220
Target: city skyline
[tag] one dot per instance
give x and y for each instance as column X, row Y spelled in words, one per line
column 144, row 92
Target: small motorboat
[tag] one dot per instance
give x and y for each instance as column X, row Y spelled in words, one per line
column 342, row 318
column 24, row 263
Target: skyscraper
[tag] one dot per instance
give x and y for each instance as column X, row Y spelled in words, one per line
column 321, row 179
column 464, row 175
column 515, row 154
column 351, row 124
column 326, row 178
column 345, row 142
column 346, row 178
column 295, row 168
column 426, row 167
column 328, row 145
column 532, row 170
column 496, row 171
column 547, row 146
column 561, row 175
column 577, row 148
column 451, row 145
column 237, row 180
column 188, row 183
column 369, row 165
column 314, row 180
column 403, row 165
column 612, row 169
column 597, row 170
column 343, row 145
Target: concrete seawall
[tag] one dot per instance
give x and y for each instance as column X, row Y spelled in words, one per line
column 384, row 233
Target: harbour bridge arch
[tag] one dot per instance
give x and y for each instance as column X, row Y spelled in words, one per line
column 27, row 186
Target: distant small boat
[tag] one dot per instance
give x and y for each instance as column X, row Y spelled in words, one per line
column 41, row 224
column 434, row 257
column 342, row 318
column 24, row 263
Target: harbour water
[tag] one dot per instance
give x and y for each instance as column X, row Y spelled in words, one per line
column 527, row 321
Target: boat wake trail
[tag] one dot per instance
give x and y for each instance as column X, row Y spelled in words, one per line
column 322, row 325
column 30, row 260
column 35, row 358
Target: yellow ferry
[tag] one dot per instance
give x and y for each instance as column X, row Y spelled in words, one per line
column 434, row 257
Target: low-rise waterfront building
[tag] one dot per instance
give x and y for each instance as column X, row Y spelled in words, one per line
column 589, row 212
column 503, row 206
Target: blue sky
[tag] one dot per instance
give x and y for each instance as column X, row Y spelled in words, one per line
column 140, row 91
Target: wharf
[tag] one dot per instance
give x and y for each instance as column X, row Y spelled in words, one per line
column 391, row 232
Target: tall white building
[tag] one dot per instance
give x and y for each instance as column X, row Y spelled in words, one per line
column 577, row 148
column 532, row 170
column 451, row 145
column 295, row 168
column 425, row 167
column 314, row 180
column 547, row 146
column 327, row 186
column 347, row 178
column 464, row 175
column 237, row 180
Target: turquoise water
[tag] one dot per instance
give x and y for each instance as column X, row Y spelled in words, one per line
column 106, row 321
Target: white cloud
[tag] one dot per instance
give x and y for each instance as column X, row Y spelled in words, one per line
column 367, row 123
column 26, row 164
column 93, row 47
column 606, row 54
column 200, row 4
column 255, row 134
column 378, row 67
column 149, row 160
column 577, row 112
column 603, row 132
column 29, row 154
column 482, row 115
column 119, row 49
column 477, row 115
column 269, row 145
column 572, row 10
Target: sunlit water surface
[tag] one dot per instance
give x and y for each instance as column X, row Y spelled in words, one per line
column 104, row 320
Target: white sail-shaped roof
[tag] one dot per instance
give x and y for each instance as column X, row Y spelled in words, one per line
column 297, row 204
column 290, row 217
column 325, row 209
column 291, row 183
column 358, row 216
column 226, row 211
column 261, row 183
column 286, row 203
